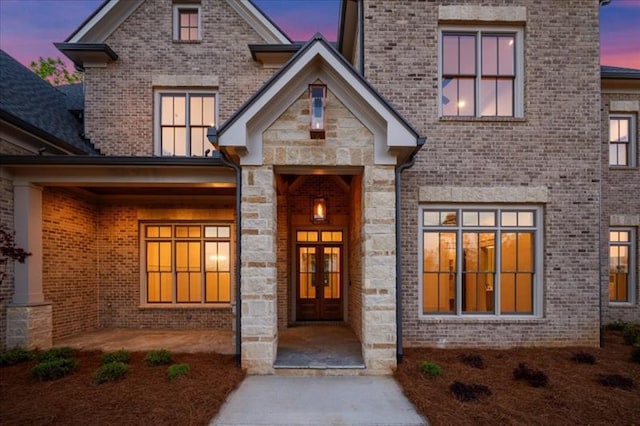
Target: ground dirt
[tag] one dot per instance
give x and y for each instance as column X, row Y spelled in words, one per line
column 573, row 395
column 144, row 397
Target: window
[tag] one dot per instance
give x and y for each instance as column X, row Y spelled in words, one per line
column 481, row 73
column 186, row 22
column 183, row 119
column 186, row 263
column 621, row 268
column 480, row 261
column 621, row 140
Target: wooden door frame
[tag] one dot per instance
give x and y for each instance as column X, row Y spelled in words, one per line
column 293, row 268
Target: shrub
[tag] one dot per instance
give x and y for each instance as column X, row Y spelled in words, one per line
column 474, row 361
column 468, row 392
column 54, row 368
column 630, row 333
column 111, row 371
column 635, row 355
column 14, row 356
column 584, row 358
column 617, row 325
column 158, row 357
column 535, row 378
column 116, row 356
column 55, row 353
column 616, row 381
column 177, row 370
column 431, row 369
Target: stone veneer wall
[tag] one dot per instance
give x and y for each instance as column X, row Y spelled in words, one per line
column 119, row 97
column 347, row 143
column 119, row 275
column 555, row 145
column 69, row 261
column 619, row 206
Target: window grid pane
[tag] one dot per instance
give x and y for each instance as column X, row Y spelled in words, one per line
column 186, row 265
column 619, row 141
column 183, row 129
column 620, row 257
column 188, row 24
column 486, row 271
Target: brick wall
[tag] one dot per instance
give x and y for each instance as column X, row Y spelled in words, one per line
column 119, row 269
column 119, row 98
column 70, row 261
column 555, row 145
column 618, row 187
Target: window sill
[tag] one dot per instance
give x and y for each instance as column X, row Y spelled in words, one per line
column 208, row 306
column 624, row 168
column 452, row 119
column 187, row 41
column 622, row 304
column 481, row 320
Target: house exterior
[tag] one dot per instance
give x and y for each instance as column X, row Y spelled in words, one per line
column 454, row 185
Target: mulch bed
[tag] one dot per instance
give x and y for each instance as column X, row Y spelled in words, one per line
column 573, row 395
column 145, row 396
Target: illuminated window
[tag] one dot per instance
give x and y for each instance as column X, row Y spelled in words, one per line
column 182, row 122
column 480, row 73
column 186, row 22
column 480, row 261
column 187, row 263
column 621, row 265
column 622, row 144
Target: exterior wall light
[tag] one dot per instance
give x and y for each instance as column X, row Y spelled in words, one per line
column 319, row 210
column 317, row 101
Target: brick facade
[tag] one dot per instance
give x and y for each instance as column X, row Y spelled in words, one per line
column 619, row 206
column 148, row 57
column 555, row 145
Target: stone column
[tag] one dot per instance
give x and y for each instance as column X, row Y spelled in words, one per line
column 379, row 270
column 29, row 318
column 259, row 273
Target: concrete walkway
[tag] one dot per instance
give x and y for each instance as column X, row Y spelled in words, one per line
column 327, row 400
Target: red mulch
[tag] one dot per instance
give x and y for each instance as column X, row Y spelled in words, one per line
column 573, row 395
column 145, row 396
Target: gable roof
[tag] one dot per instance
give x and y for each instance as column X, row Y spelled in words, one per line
column 32, row 104
column 394, row 137
column 112, row 13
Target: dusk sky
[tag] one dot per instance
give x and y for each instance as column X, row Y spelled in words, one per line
column 29, row 27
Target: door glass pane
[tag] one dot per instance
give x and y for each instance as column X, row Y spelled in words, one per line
column 332, row 270
column 307, row 275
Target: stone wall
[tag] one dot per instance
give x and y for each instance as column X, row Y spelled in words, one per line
column 119, row 97
column 554, row 145
column 619, row 207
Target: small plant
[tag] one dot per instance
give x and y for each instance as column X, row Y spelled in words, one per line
column 630, row 333
column 14, row 356
column 111, row 372
column 616, row 381
column 116, row 356
column 159, row 357
column 583, row 358
column 55, row 368
column 535, row 378
column 468, row 392
column 55, row 353
column 177, row 370
column 472, row 360
column 635, row 355
column 431, row 369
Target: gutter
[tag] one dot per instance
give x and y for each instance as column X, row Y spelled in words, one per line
column 399, row 169
column 219, row 154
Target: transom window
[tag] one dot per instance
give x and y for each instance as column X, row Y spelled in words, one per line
column 187, row 263
column 183, row 121
column 621, row 268
column 481, row 73
column 480, row 261
column 186, row 22
column 621, row 140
